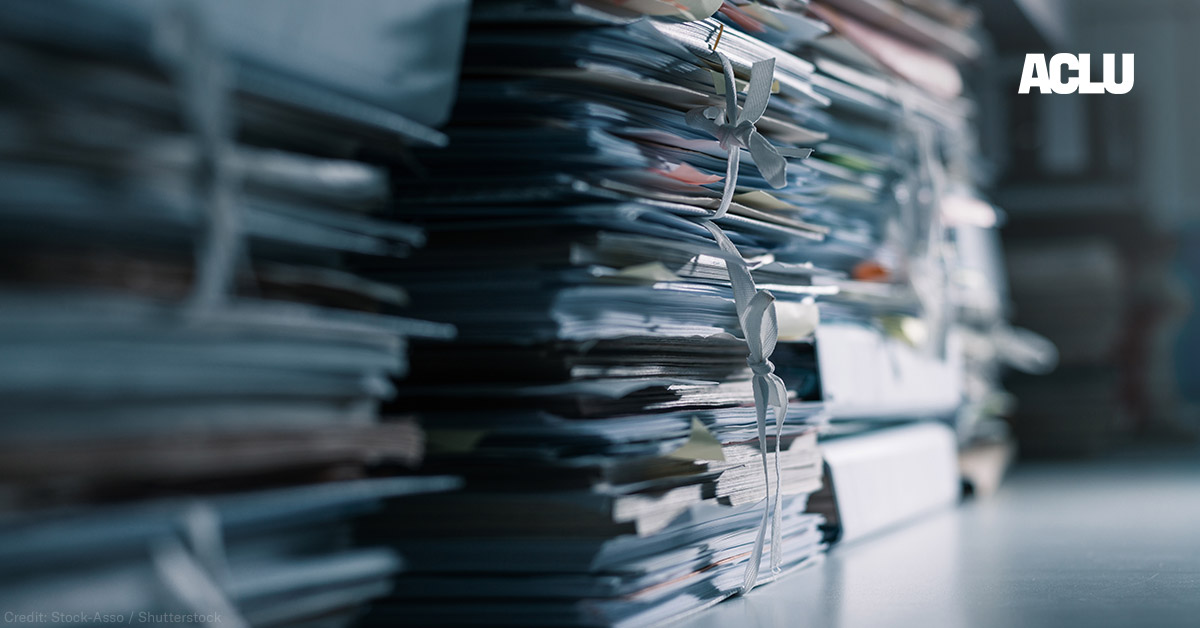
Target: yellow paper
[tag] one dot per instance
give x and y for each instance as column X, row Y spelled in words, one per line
column 701, row 445
column 797, row 321
column 912, row 331
column 759, row 199
column 718, row 79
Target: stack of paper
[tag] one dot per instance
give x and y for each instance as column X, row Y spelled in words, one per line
column 271, row 558
column 576, row 228
column 598, row 400
column 181, row 315
column 928, row 336
column 674, row 241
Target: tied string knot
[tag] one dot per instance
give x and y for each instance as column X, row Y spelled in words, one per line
column 756, row 315
column 729, row 135
column 761, row 368
column 761, row 329
column 734, row 129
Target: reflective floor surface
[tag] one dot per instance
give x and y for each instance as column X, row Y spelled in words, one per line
column 1085, row 543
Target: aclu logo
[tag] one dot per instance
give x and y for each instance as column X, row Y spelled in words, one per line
column 1052, row 77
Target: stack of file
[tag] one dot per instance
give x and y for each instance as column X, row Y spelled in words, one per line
column 192, row 367
column 918, row 330
column 272, row 558
column 571, row 241
column 930, row 298
column 598, row 400
column 174, row 284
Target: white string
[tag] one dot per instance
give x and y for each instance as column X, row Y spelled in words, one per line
column 734, row 129
column 193, row 571
column 201, row 76
column 756, row 315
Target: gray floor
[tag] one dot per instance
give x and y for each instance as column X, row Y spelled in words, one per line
column 1092, row 544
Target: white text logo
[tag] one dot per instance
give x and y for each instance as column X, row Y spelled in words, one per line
column 1052, row 77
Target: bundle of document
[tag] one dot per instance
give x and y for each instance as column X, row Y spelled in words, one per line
column 282, row 557
column 191, row 364
column 173, row 278
column 600, row 398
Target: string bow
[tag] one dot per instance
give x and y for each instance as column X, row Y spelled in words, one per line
column 734, row 129
column 756, row 316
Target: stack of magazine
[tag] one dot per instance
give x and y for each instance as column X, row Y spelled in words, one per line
column 192, row 367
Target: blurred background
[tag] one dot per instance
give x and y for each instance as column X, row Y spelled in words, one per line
column 1100, row 192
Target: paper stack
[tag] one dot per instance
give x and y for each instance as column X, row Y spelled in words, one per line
column 918, row 328
column 191, row 366
column 582, row 241
column 599, row 400
column 664, row 246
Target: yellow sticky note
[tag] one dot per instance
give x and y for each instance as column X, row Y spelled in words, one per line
column 701, row 445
